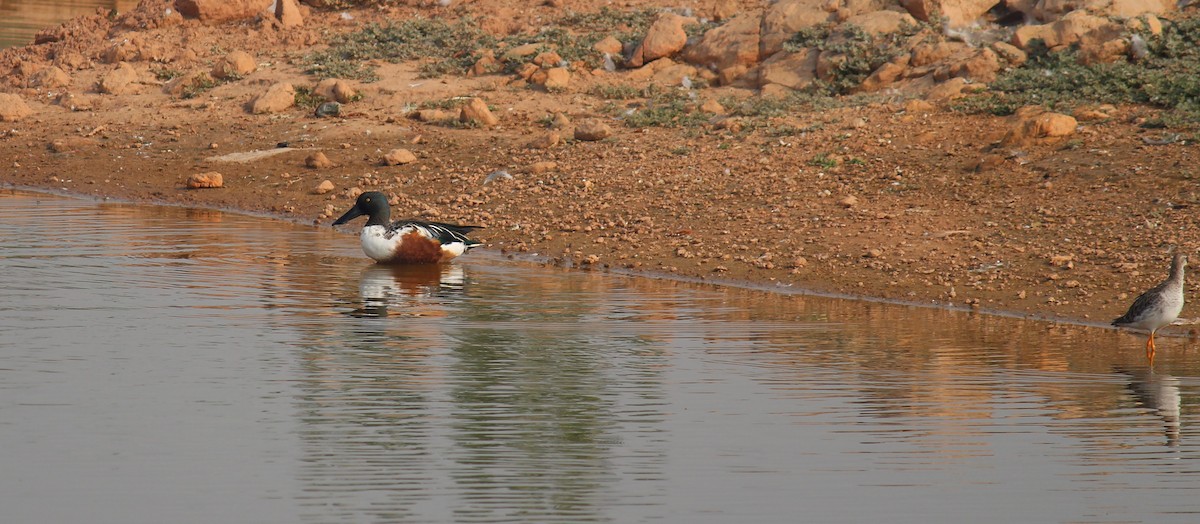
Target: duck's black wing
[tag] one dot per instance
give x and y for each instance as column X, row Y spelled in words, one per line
column 443, row 232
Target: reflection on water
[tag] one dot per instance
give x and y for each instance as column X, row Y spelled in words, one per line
column 173, row 365
column 1159, row 393
column 20, row 20
column 400, row 287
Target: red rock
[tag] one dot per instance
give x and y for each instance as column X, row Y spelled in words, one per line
column 122, row 80
column 608, row 45
column 182, row 84
column 212, row 11
column 50, row 78
column 335, row 90
column 318, row 160
column 547, row 59
column 792, row 70
column 210, row 179
column 324, row 187
column 397, row 157
column 1034, row 124
column 731, row 48
column 13, row 108
column 981, row 67
column 278, row 97
column 557, row 79
column 665, row 37
column 477, row 111
column 234, row 65
column 592, row 130
column 430, row 115
column 545, row 141
column 881, row 22
column 781, row 21
column 947, row 91
column 883, row 76
column 288, row 13
column 958, row 13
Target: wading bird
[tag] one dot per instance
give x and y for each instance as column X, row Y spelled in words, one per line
column 1158, row 307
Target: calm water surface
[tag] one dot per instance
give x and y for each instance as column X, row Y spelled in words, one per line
column 174, row 365
column 21, row 19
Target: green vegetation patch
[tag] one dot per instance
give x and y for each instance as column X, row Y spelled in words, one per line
column 445, row 48
column 666, row 108
column 857, row 52
column 452, row 48
column 1168, row 76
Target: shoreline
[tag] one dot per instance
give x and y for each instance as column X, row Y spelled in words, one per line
column 536, row 260
column 892, row 199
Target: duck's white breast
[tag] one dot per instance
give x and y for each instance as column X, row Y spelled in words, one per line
column 377, row 244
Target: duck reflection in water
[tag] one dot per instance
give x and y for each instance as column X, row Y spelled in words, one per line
column 1158, row 392
column 406, row 288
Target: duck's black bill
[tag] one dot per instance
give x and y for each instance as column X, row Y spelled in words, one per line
column 353, row 213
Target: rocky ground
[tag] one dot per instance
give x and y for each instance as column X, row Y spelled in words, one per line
column 896, row 197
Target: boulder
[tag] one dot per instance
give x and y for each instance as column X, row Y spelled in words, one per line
column 557, row 79
column 1033, row 124
column 545, row 141
column 792, row 70
column 318, row 160
column 50, row 78
column 209, row 180
column 1051, row 10
column 288, row 13
column 881, row 22
column 917, row 106
column 883, row 76
column 335, row 90
column 398, row 157
column 592, row 130
column 931, row 53
column 712, row 106
column 322, row 188
column 279, row 97
column 430, row 115
column 729, row 49
column 608, row 45
column 122, row 80
column 13, row 108
column 548, row 59
column 236, row 64
column 664, row 38
column 545, row 166
column 1010, row 53
column 946, row 91
column 781, row 21
column 76, row 102
column 477, row 111
column 214, row 11
column 980, row 67
column 189, row 83
column 1066, row 31
column 486, row 64
column 958, row 13
column 560, row 121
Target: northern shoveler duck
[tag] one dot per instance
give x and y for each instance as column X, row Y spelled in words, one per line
column 405, row 241
column 1158, row 307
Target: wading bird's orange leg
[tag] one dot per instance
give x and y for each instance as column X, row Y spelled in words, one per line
column 1150, row 348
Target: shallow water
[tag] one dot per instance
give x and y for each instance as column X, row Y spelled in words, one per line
column 162, row 364
column 20, row 20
